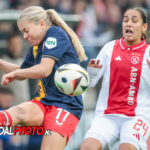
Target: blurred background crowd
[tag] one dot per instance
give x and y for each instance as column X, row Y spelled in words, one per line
column 99, row 22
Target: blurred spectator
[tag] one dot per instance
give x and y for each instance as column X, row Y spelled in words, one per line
column 22, row 4
column 14, row 3
column 139, row 3
column 79, row 7
column 4, row 4
column 5, row 28
column 96, row 26
column 20, row 89
column 6, row 98
column 125, row 4
column 61, row 6
column 65, row 6
column 14, row 50
column 51, row 4
column 113, row 13
column 34, row 142
column 9, row 142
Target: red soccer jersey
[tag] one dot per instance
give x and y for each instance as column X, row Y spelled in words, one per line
column 126, row 79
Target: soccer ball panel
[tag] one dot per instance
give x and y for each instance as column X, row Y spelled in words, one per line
column 71, row 79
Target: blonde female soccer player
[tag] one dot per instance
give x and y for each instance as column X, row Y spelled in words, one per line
column 53, row 44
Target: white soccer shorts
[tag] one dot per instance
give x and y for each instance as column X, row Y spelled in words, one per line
column 109, row 128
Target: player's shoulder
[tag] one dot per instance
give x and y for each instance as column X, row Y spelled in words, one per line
column 147, row 50
column 109, row 44
column 148, row 46
column 56, row 31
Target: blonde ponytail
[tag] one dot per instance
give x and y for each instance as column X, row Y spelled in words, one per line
column 56, row 20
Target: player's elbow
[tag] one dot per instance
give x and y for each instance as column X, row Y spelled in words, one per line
column 45, row 73
column 20, row 78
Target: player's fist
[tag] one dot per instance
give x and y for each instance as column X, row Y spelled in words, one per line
column 7, row 78
column 94, row 63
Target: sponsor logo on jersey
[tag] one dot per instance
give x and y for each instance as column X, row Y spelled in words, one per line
column 135, row 60
column 132, row 88
column 51, row 42
column 118, row 58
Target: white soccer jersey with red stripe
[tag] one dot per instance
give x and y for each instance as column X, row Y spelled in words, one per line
column 126, row 79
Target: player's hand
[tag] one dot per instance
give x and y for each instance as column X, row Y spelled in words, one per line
column 7, row 78
column 148, row 60
column 94, row 63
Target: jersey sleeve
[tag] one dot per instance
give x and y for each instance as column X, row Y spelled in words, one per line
column 55, row 45
column 29, row 60
column 95, row 73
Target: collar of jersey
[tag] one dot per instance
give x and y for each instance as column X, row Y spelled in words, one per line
column 133, row 47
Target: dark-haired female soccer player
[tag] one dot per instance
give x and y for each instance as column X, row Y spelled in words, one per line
column 123, row 107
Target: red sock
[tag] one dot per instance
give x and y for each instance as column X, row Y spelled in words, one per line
column 5, row 119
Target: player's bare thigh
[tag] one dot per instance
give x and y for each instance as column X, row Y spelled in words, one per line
column 55, row 141
column 27, row 113
column 127, row 146
column 91, row 144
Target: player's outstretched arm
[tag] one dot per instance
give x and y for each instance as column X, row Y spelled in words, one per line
column 94, row 63
column 7, row 67
column 39, row 71
column 94, row 67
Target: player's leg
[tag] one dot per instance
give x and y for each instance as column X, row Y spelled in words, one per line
column 62, row 124
column 148, row 143
column 102, row 133
column 55, row 141
column 134, row 134
column 27, row 113
column 91, row 144
column 127, row 146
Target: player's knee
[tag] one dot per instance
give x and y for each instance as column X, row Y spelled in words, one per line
column 85, row 146
column 126, row 146
column 90, row 145
column 21, row 114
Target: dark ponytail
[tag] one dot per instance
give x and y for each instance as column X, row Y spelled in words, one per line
column 145, row 20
